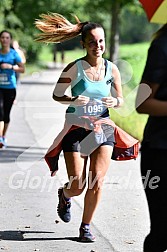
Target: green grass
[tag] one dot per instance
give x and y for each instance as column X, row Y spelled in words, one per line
column 133, row 123
column 131, row 64
column 135, row 55
column 127, row 118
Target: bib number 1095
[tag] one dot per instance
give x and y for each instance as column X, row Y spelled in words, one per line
column 93, row 109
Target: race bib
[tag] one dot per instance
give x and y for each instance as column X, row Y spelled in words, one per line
column 4, row 79
column 93, row 108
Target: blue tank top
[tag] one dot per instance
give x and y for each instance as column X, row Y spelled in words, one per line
column 8, row 76
column 96, row 90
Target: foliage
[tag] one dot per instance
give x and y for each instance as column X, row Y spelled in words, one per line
column 21, row 24
column 19, row 15
column 5, row 5
column 129, row 31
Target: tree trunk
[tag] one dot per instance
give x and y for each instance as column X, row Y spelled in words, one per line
column 114, row 37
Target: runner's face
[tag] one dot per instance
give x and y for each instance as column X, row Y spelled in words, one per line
column 95, row 42
column 5, row 39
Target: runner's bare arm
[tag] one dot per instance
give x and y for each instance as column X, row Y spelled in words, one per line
column 116, row 98
column 64, row 83
column 19, row 67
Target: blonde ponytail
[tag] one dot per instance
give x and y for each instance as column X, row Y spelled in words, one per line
column 57, row 28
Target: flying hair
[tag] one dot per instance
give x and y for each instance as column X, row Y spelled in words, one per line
column 56, row 28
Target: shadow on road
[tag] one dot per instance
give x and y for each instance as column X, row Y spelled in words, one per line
column 18, row 235
column 11, row 153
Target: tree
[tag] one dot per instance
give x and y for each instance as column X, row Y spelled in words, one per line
column 134, row 25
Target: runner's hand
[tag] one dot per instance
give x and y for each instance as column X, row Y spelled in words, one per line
column 109, row 102
column 6, row 66
column 81, row 100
